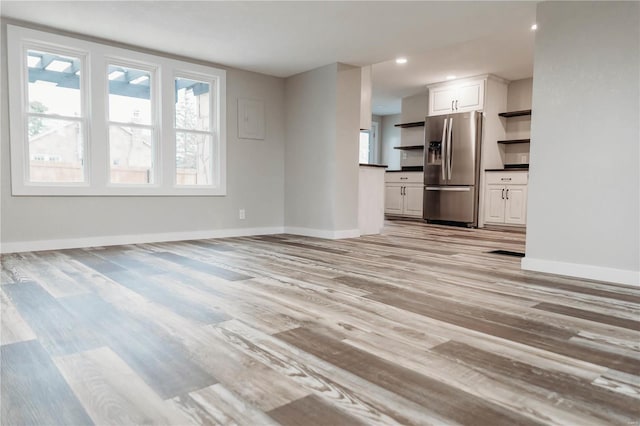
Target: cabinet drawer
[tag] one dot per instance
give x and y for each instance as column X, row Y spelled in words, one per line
column 404, row 177
column 507, row 178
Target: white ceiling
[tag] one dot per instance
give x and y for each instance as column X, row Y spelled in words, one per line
column 285, row 38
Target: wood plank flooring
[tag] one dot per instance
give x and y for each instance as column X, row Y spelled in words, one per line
column 419, row 325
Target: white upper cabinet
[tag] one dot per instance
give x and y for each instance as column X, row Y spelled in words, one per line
column 470, row 96
column 458, row 96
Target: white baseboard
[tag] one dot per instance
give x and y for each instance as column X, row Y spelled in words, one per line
column 599, row 273
column 322, row 233
column 113, row 240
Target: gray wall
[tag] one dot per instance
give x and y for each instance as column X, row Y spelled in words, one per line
column 310, row 128
column 519, row 94
column 255, row 172
column 390, row 138
column 584, row 192
column 345, row 174
column 518, row 98
column 321, row 156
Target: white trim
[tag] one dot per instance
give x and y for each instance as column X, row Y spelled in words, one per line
column 599, row 273
column 323, row 233
column 114, row 240
column 467, row 80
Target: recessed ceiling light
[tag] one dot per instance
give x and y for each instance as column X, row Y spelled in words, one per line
column 534, row 27
column 451, row 77
column 401, row 61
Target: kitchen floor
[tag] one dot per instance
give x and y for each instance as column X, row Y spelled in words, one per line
column 420, row 325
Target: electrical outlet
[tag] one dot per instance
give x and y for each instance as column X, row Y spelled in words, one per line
column 241, row 214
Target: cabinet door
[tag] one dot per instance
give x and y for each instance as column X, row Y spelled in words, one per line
column 470, row 96
column 413, row 200
column 494, row 203
column 516, row 204
column 441, row 100
column 393, row 199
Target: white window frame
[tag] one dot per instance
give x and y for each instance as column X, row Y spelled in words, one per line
column 97, row 166
column 154, row 73
column 22, row 165
column 214, row 123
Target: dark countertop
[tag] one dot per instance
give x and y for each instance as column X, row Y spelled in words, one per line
column 383, row 166
column 514, row 169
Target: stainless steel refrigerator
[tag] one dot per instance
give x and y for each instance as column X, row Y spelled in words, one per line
column 452, row 168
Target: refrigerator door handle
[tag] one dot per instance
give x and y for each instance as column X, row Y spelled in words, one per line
column 448, row 188
column 450, row 148
column 443, row 149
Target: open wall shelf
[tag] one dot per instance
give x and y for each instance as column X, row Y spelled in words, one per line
column 409, row 148
column 515, row 113
column 414, row 124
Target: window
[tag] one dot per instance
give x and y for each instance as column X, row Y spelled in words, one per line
column 131, row 125
column 364, row 147
column 92, row 119
column 55, row 116
column 194, row 132
column 369, row 145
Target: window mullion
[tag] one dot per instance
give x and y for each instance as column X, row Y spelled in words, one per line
column 166, row 130
column 99, row 132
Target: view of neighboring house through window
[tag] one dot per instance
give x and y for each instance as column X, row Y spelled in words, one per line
column 194, row 132
column 131, row 134
column 55, row 118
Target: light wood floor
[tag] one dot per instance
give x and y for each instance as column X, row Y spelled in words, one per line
column 419, row 325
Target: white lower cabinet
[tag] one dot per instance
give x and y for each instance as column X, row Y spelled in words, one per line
column 515, row 209
column 393, row 199
column 403, row 194
column 494, row 204
column 413, row 195
column 505, row 198
column 403, row 199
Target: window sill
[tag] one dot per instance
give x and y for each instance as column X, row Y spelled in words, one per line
column 77, row 191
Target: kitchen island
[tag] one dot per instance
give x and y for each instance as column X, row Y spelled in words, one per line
column 371, row 198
